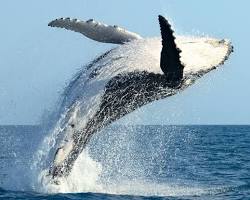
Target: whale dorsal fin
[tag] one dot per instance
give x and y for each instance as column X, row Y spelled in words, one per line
column 96, row 31
column 170, row 54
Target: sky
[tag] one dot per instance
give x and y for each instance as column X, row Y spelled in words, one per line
column 37, row 62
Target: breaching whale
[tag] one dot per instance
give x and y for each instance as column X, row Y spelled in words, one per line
column 133, row 74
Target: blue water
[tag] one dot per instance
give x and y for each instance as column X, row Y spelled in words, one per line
column 145, row 162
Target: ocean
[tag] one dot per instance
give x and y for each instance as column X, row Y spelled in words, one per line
column 137, row 162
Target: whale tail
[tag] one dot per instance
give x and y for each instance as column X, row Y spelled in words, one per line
column 170, row 54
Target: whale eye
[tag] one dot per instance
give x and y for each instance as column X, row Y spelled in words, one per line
column 90, row 20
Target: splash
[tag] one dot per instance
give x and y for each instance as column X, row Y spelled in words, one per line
column 84, row 177
column 127, row 160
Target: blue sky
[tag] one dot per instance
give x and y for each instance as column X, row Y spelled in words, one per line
column 37, row 61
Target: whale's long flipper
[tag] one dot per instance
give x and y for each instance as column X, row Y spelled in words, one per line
column 170, row 55
column 96, row 30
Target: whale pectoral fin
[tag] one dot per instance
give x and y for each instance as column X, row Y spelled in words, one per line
column 170, row 54
column 96, row 31
column 67, row 23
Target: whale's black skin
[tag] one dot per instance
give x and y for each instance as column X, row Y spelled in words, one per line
column 128, row 91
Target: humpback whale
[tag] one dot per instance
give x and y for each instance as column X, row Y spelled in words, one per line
column 135, row 73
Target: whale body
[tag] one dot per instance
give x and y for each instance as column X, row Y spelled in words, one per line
column 133, row 74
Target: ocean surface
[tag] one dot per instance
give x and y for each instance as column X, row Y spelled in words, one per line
column 137, row 162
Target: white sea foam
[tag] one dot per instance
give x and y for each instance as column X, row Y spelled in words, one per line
column 84, row 178
column 90, row 175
